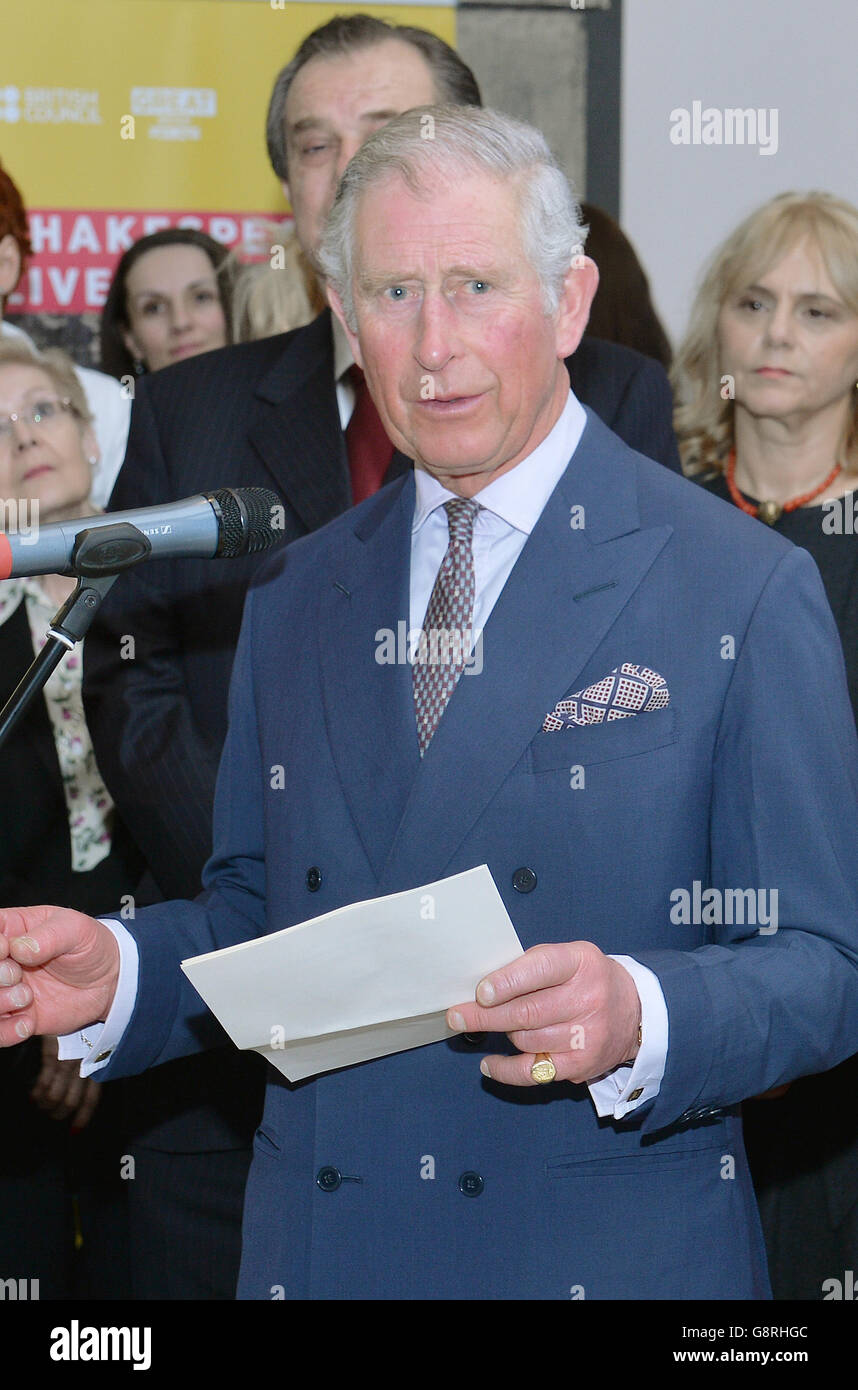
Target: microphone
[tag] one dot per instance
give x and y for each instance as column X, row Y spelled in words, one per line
column 231, row 521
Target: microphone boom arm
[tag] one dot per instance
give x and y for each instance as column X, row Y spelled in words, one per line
column 100, row 556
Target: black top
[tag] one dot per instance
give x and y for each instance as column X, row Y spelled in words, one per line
column 803, row 1147
column 836, row 557
column 35, row 844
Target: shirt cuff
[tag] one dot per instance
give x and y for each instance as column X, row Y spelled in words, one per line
column 96, row 1044
column 630, row 1086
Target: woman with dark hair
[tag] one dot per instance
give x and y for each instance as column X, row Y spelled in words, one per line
column 622, row 311
column 170, row 298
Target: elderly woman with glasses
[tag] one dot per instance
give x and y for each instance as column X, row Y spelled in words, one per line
column 109, row 402
column 57, row 835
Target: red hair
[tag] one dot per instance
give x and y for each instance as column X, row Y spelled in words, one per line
column 13, row 216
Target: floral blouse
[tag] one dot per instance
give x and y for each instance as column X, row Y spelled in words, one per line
column 87, row 800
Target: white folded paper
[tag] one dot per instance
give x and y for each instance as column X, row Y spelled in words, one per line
column 369, row 979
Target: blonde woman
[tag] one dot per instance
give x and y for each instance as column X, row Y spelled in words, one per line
column 278, row 294
column 768, row 420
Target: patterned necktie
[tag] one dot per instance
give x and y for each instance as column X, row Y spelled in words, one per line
column 447, row 627
column 369, row 450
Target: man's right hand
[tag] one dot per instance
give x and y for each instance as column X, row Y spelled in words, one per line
column 58, row 972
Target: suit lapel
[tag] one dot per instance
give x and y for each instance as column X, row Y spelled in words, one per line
column 295, row 428
column 368, row 700
column 564, row 593
column 296, row 420
column 562, row 597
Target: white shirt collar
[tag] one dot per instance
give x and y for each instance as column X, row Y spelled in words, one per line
column 343, row 355
column 520, row 495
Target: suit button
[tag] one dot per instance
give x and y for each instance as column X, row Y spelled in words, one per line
column 314, row 879
column 524, row 880
column 474, row 1039
column 329, row 1179
column 471, row 1184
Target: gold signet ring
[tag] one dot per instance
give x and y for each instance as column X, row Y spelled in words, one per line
column 543, row 1069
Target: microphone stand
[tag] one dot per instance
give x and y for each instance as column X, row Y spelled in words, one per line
column 98, row 558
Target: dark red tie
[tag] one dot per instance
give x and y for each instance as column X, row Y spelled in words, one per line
column 369, row 450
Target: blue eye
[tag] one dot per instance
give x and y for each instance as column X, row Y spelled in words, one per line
column 480, row 286
column 396, row 292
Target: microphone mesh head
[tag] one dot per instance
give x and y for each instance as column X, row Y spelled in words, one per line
column 249, row 519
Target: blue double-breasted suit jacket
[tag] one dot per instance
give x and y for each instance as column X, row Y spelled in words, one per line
column 413, row 1175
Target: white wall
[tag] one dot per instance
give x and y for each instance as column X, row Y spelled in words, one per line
column 679, row 201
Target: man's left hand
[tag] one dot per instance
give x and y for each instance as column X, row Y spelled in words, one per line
column 567, row 999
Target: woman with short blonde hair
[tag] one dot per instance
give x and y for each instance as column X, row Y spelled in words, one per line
column 55, row 365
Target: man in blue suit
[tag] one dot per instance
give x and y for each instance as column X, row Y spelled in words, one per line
column 654, row 755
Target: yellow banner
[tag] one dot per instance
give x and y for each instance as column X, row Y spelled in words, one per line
column 118, row 117
column 195, row 77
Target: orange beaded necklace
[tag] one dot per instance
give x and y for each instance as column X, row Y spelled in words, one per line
column 770, row 511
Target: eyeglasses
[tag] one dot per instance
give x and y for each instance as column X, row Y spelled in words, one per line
column 42, row 414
